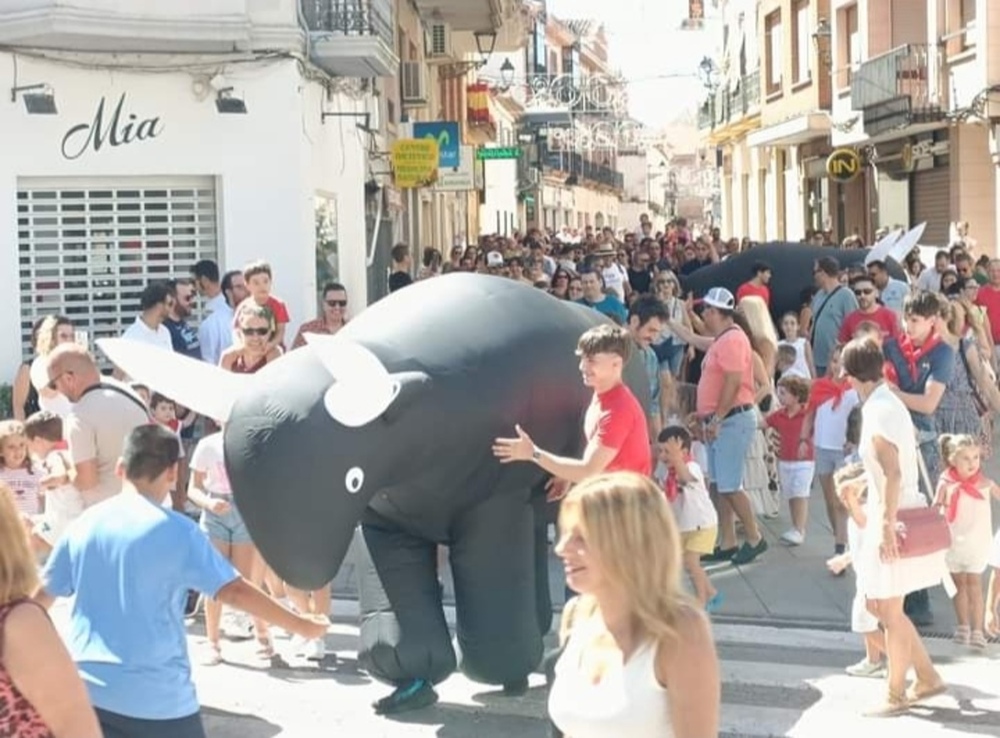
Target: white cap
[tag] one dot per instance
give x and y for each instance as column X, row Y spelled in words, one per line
column 721, row 298
column 494, row 259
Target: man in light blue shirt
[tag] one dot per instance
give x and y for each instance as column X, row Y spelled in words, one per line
column 647, row 317
column 129, row 563
column 215, row 334
column 892, row 292
column 832, row 303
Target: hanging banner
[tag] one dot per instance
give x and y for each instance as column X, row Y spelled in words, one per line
column 461, row 178
column 414, row 162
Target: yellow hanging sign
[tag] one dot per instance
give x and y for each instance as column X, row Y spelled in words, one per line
column 415, row 162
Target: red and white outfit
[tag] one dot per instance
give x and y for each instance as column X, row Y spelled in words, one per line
column 795, row 470
column 967, row 509
column 618, row 422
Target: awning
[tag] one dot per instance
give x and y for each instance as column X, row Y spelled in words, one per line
column 792, row 132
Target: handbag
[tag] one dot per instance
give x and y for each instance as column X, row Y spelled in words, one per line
column 921, row 531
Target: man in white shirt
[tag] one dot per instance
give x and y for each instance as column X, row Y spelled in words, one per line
column 892, row 292
column 930, row 279
column 215, row 334
column 155, row 304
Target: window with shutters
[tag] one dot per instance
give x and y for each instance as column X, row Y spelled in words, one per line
column 87, row 248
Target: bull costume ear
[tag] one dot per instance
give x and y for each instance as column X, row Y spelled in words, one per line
column 362, row 388
column 206, row 389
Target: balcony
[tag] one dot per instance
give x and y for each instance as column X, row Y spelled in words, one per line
column 575, row 165
column 183, row 26
column 731, row 104
column 352, row 38
column 467, row 15
column 898, row 89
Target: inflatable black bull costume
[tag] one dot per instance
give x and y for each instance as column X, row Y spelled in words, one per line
column 390, row 424
column 791, row 271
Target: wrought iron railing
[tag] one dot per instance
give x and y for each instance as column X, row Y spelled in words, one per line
column 574, row 164
column 903, row 72
column 351, row 17
column 730, row 103
column 895, row 89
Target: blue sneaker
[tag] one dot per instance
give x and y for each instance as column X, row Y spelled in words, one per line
column 713, row 605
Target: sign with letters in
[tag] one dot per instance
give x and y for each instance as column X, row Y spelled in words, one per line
column 843, row 165
column 120, row 128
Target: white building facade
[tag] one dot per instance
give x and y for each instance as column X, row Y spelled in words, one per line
column 138, row 176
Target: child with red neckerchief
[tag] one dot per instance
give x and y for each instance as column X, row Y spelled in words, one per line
column 684, row 485
column 963, row 492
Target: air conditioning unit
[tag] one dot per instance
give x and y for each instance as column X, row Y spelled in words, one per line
column 414, row 84
column 439, row 41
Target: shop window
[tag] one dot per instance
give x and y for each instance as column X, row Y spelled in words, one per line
column 88, row 250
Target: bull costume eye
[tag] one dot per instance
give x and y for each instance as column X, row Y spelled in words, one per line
column 355, row 479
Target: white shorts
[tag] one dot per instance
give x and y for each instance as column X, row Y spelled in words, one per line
column 795, row 478
column 862, row 621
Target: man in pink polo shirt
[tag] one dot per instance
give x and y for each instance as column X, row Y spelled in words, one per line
column 725, row 403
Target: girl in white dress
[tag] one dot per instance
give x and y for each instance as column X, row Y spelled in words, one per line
column 889, row 453
column 803, row 366
column 964, row 494
column 638, row 656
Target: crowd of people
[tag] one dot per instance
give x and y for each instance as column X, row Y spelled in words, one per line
column 881, row 389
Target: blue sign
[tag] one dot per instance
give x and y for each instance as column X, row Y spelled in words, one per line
column 447, row 136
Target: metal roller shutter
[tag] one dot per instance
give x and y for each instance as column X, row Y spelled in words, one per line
column 88, row 247
column 930, row 201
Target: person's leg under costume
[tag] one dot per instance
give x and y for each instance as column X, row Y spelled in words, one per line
column 493, row 564
column 404, row 636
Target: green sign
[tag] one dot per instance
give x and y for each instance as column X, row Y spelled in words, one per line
column 500, row 152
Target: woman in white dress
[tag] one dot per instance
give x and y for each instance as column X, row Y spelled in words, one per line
column 638, row 658
column 889, row 453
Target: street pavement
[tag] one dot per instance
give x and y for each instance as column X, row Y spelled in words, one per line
column 776, row 682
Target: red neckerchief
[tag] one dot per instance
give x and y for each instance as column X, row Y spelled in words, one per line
column 968, row 486
column 911, row 353
column 824, row 389
column 670, row 485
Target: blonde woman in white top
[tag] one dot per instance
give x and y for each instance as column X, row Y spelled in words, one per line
column 638, row 656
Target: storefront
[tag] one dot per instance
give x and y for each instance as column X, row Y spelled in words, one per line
column 140, row 175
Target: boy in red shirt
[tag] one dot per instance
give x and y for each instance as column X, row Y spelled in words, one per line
column 615, row 424
column 258, row 277
column 792, row 423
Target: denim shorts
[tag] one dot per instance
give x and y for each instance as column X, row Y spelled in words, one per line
column 727, row 453
column 829, row 460
column 228, row 527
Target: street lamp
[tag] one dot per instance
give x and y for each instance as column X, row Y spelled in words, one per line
column 708, row 72
column 506, row 75
column 821, row 38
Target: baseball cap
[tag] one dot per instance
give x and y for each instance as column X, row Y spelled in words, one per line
column 494, row 259
column 720, row 298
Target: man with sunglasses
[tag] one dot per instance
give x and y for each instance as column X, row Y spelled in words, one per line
column 868, row 310
column 333, row 314
column 104, row 412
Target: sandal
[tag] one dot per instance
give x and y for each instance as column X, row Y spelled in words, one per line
column 919, row 692
column 214, row 656
column 962, row 635
column 977, row 640
column 894, row 705
column 265, row 649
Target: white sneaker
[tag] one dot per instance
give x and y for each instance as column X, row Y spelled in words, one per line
column 299, row 646
column 792, row 537
column 237, row 625
column 315, row 650
column 866, row 668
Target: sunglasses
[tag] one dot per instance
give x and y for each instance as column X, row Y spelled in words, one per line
column 336, row 303
column 255, row 331
column 55, row 380
column 863, row 292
